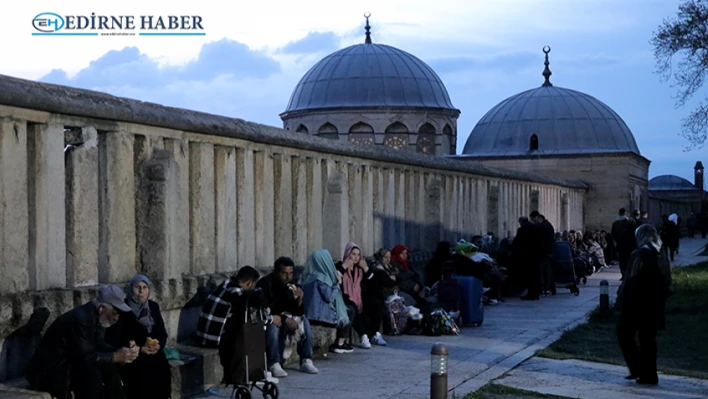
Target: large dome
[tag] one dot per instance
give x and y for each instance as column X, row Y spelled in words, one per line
column 550, row 120
column 370, row 75
column 670, row 183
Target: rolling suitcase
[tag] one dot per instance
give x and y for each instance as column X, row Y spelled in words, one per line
column 471, row 304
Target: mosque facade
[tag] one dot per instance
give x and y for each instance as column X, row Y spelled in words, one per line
column 375, row 94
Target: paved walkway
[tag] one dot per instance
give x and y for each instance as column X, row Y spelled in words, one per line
column 512, row 332
column 688, row 252
column 587, row 380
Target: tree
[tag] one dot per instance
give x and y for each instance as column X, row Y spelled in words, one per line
column 685, row 36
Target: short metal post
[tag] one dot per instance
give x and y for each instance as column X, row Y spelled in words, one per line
column 438, row 371
column 604, row 296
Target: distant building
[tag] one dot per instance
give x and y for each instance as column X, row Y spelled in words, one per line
column 377, row 94
column 673, row 194
column 372, row 93
column 563, row 133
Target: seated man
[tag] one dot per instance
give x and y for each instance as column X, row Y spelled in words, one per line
column 285, row 300
column 72, row 356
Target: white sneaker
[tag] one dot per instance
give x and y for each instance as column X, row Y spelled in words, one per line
column 270, row 378
column 308, row 367
column 277, row 371
column 378, row 340
column 365, row 344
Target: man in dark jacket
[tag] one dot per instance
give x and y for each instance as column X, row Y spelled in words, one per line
column 546, row 233
column 73, row 357
column 285, row 300
column 627, row 242
column 641, row 302
column 527, row 253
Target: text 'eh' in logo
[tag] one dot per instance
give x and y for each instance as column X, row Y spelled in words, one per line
column 53, row 24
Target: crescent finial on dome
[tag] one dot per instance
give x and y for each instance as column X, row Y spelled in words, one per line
column 547, row 72
column 368, row 28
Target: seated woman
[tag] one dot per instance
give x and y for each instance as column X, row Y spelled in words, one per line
column 384, row 275
column 355, row 279
column 595, row 250
column 408, row 280
column 149, row 375
column 324, row 302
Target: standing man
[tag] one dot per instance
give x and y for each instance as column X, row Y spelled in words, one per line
column 73, row 357
column 527, row 253
column 546, row 233
column 641, row 302
column 285, row 301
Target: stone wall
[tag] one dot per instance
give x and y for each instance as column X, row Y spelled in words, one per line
column 614, row 180
column 95, row 188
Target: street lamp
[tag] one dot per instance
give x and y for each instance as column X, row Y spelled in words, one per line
column 438, row 371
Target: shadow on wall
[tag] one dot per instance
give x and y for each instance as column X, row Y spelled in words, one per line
column 19, row 347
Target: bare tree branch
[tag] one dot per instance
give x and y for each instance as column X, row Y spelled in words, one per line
column 685, row 37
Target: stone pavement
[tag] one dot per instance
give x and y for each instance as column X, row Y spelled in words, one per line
column 587, row 380
column 689, row 249
column 512, row 332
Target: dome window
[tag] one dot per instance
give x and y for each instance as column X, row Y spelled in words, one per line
column 533, row 143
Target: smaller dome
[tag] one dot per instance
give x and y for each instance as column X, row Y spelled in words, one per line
column 670, row 183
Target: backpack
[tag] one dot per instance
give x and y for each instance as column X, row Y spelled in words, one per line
column 398, row 315
column 438, row 322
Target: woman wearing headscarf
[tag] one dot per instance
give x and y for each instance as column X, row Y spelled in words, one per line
column 356, row 276
column 434, row 268
column 324, row 303
column 670, row 235
column 641, row 302
column 149, row 375
column 408, row 280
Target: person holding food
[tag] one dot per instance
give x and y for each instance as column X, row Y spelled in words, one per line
column 72, row 356
column 143, row 327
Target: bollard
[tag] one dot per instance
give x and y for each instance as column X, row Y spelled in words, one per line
column 604, row 296
column 438, row 371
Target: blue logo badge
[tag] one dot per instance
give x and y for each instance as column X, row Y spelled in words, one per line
column 48, row 22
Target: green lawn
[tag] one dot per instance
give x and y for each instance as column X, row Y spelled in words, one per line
column 683, row 349
column 494, row 391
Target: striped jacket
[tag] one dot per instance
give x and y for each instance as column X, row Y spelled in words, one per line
column 217, row 310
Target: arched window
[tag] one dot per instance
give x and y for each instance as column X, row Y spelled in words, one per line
column 302, row 129
column 427, row 128
column 361, row 133
column 328, row 131
column 447, row 129
column 533, row 143
column 361, row 127
column 396, row 127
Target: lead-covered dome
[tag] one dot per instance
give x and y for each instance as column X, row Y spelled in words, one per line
column 369, row 75
column 670, row 183
column 550, row 120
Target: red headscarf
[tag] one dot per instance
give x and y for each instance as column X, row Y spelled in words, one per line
column 396, row 255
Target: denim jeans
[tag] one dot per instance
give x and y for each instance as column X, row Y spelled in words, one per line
column 275, row 343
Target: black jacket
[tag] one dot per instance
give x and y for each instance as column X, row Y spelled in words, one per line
column 647, row 285
column 127, row 328
column 546, row 233
column 74, row 339
column 278, row 297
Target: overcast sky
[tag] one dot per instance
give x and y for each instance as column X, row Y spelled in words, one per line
column 255, row 52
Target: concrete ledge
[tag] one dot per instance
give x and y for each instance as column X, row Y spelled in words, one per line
column 19, row 389
column 96, row 105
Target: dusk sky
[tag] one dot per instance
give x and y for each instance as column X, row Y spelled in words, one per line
column 254, row 54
